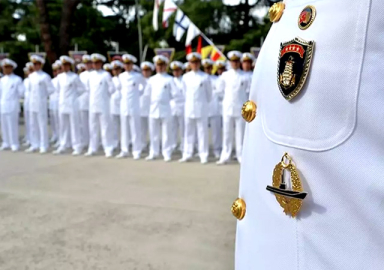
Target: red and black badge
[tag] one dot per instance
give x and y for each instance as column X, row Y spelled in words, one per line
column 295, row 58
column 307, row 16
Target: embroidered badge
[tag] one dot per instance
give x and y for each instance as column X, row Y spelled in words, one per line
column 295, row 58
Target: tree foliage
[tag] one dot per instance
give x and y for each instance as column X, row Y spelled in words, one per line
column 57, row 25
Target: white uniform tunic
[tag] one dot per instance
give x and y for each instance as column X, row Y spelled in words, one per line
column 177, row 107
column 130, row 84
column 101, row 88
column 161, row 89
column 69, row 88
column 27, row 137
column 145, row 102
column 333, row 130
column 198, row 94
column 11, row 90
column 84, row 109
column 115, row 112
column 233, row 84
column 54, row 111
column 40, row 89
column 215, row 119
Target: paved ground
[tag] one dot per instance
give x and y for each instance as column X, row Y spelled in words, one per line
column 69, row 213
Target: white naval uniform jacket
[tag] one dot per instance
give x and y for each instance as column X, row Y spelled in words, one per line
column 84, row 98
column 198, row 94
column 69, row 88
column 101, row 88
column 177, row 103
column 215, row 108
column 11, row 89
column 130, row 84
column 233, row 86
column 40, row 87
column 54, row 97
column 333, row 130
column 161, row 89
column 26, row 94
column 115, row 97
column 145, row 101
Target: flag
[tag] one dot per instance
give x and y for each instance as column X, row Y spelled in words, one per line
column 155, row 18
column 168, row 10
column 181, row 25
column 210, row 51
column 192, row 33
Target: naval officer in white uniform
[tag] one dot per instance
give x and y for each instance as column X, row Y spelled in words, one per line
column 27, row 125
column 39, row 89
column 69, row 88
column 161, row 89
column 100, row 87
column 233, row 85
column 147, row 68
column 54, row 104
column 130, row 83
column 198, row 94
column 117, row 68
column 324, row 108
column 11, row 90
column 84, row 101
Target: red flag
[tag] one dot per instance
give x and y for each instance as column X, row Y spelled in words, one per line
column 199, row 44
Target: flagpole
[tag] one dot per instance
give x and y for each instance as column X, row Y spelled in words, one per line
column 139, row 31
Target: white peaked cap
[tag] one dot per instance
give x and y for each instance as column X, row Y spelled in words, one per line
column 147, row 65
column 98, row 57
column 136, row 68
column 37, row 59
column 247, row 57
column 221, row 63
column 117, row 64
column 55, row 66
column 58, row 62
column 187, row 65
column 8, row 62
column 160, row 59
column 29, row 65
column 128, row 58
column 194, row 56
column 207, row 62
column 176, row 65
column 80, row 66
column 107, row 67
column 86, row 58
column 66, row 60
column 234, row 55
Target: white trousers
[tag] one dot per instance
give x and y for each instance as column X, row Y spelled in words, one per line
column 144, row 132
column 39, row 129
column 70, row 133
column 99, row 123
column 27, row 126
column 178, row 131
column 55, row 126
column 115, row 122
column 163, row 126
column 131, row 132
column 231, row 124
column 84, row 127
column 191, row 126
column 10, row 130
column 216, row 133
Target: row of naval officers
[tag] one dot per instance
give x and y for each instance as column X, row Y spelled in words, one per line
column 119, row 111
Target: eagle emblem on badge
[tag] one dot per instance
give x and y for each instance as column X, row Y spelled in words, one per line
column 295, row 58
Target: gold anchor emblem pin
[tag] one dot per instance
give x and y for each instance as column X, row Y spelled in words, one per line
column 290, row 195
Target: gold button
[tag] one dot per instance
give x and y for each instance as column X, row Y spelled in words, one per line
column 238, row 208
column 248, row 111
column 276, row 11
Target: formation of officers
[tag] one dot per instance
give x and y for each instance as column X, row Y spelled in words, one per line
column 119, row 104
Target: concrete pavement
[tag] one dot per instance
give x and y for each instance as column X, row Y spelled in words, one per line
column 69, row 213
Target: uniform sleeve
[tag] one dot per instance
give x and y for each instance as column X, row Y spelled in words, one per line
column 183, row 85
column 111, row 86
column 118, row 83
column 174, row 89
column 20, row 88
column 49, row 86
column 248, row 83
column 80, row 87
column 148, row 89
column 220, row 87
column 208, row 88
column 143, row 83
